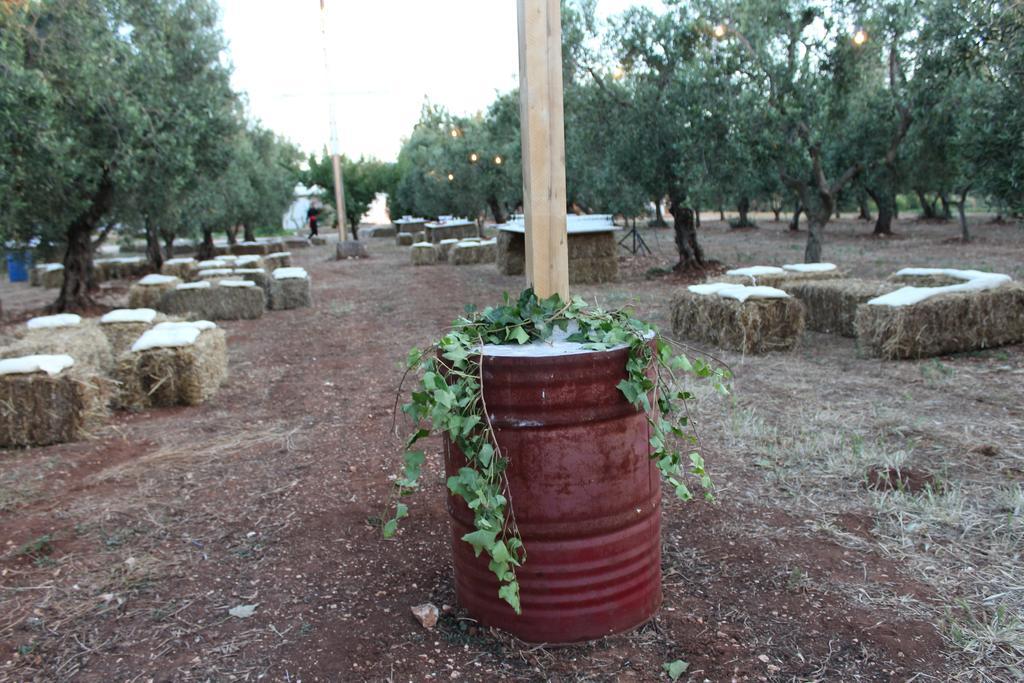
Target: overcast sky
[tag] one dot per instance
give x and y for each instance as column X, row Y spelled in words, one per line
column 386, row 57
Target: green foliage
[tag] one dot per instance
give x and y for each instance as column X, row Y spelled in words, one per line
column 363, row 179
column 462, row 166
column 449, row 400
column 675, row 669
column 121, row 112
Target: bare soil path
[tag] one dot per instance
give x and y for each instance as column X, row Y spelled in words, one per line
column 121, row 556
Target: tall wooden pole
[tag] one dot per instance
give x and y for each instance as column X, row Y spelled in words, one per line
column 543, row 139
column 339, row 184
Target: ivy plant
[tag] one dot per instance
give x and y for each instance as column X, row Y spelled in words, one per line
column 449, row 400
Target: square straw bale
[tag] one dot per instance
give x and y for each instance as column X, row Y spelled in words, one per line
column 424, row 254
column 184, row 375
column 751, row 326
column 277, row 259
column 84, row 342
column 181, row 268
column 831, row 305
column 37, row 409
column 148, row 295
column 290, row 293
column 215, row 303
column 948, row 323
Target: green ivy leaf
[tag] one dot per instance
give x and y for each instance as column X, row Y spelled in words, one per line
column 510, row 594
column 675, row 669
column 480, row 540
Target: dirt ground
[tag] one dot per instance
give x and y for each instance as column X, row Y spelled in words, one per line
column 121, row 556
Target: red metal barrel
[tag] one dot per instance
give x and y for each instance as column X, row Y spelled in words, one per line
column 586, row 496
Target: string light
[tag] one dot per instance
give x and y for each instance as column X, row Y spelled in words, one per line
column 473, row 157
column 618, row 73
column 719, row 31
column 497, row 160
column 860, row 37
column 451, row 177
column 455, row 132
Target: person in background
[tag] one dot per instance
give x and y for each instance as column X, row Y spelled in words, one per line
column 312, row 215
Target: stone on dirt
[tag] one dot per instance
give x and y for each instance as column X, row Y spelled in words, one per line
column 426, row 614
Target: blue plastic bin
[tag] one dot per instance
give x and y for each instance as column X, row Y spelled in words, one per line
column 18, row 265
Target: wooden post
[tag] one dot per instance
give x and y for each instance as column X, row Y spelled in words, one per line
column 339, row 189
column 543, row 138
column 339, row 183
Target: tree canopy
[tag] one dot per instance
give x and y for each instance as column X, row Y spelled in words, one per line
column 120, row 113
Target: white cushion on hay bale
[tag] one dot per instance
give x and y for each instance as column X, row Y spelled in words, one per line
column 278, row 259
column 182, row 267
column 773, row 276
column 123, row 326
column 174, row 363
column 424, row 254
column 47, row 399
column 146, row 292
column 290, row 289
column 748, row 319
column 981, row 312
column 49, row 275
column 65, row 333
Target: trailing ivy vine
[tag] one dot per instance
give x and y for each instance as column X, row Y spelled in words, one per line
column 449, row 399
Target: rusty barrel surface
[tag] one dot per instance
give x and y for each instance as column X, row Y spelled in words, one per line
column 586, row 497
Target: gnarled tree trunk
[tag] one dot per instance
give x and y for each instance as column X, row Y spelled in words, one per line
column 79, row 280
column 885, row 202
column 496, row 211
column 232, row 232
column 249, row 235
column 153, row 253
column 206, row 250
column 743, row 207
column 690, row 252
column 794, row 223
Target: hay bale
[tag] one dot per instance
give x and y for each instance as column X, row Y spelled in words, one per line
column 165, row 376
column 751, row 326
column 511, row 253
column 831, row 305
column 773, row 276
column 214, row 302
column 948, row 323
column 249, row 261
column 82, row 340
column 933, row 277
column 245, row 248
column 593, row 270
column 120, row 268
column 257, row 275
column 350, row 249
column 405, row 239
column 53, row 400
column 123, row 326
column 49, row 275
column 146, row 292
column 424, row 254
column 469, row 251
column 181, row 268
column 592, row 256
column 278, row 259
column 444, row 246
column 290, row 289
column 372, row 231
